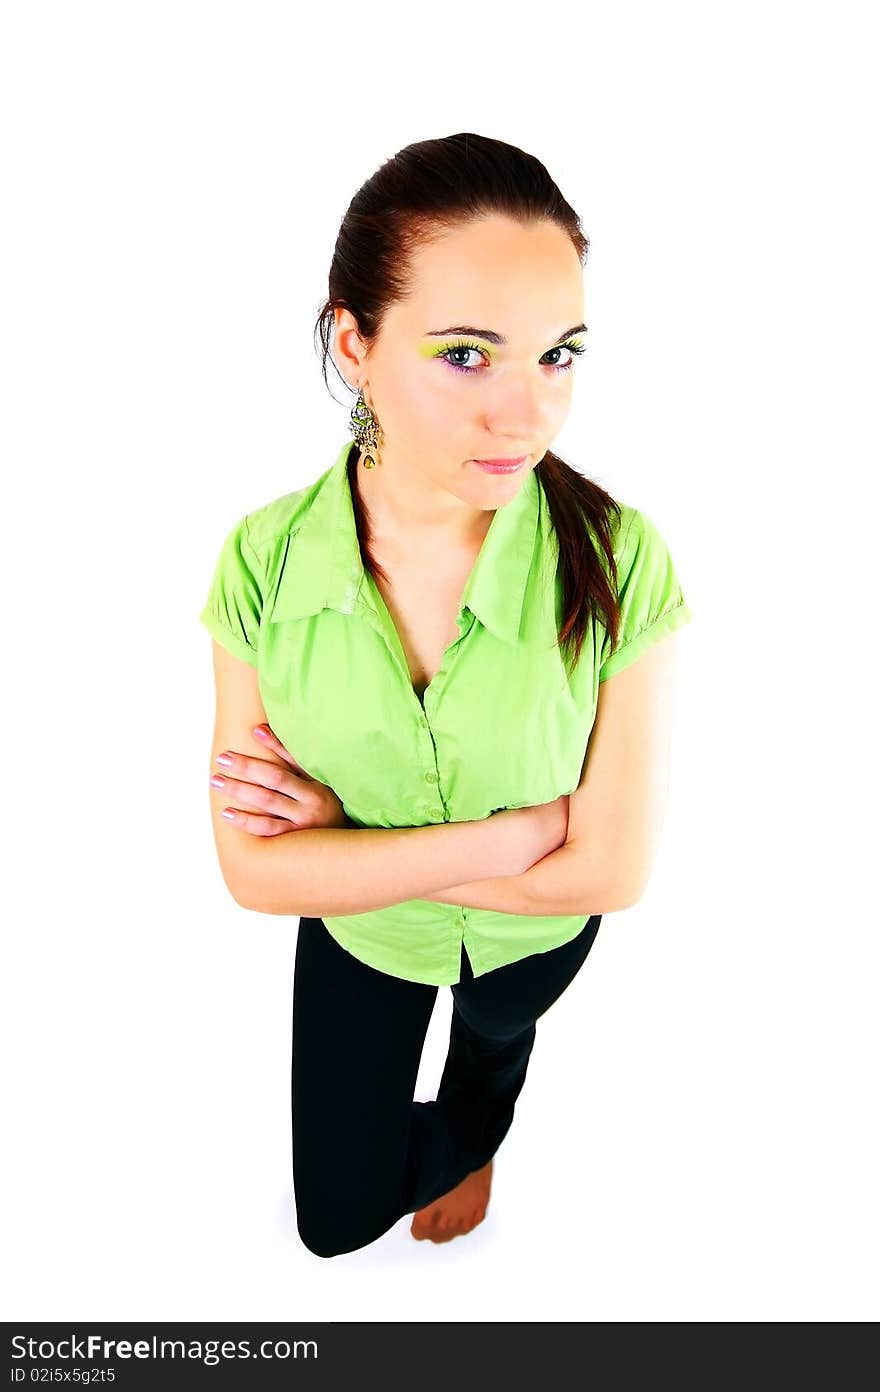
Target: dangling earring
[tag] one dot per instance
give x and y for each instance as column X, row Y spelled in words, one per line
column 365, row 429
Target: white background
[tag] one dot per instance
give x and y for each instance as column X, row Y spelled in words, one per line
column 695, row 1138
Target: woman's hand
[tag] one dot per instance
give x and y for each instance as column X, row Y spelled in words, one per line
column 537, row 832
column 272, row 799
column 540, row 830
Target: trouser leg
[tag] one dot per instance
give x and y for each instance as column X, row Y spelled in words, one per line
column 492, row 1035
column 358, row 1035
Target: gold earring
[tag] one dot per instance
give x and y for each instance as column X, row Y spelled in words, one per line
column 365, row 429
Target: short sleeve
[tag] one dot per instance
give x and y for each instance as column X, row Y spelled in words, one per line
column 651, row 600
column 235, row 599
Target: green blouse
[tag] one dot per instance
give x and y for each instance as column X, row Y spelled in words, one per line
column 501, row 725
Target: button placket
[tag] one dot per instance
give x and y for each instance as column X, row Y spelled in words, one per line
column 437, row 812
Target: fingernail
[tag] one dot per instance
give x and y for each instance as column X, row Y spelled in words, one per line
column 224, row 759
column 259, row 732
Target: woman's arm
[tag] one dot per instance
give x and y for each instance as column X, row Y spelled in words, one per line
column 557, row 884
column 330, row 869
column 615, row 813
column 337, row 870
column 321, row 872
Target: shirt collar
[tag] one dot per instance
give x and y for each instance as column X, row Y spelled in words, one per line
column 324, row 568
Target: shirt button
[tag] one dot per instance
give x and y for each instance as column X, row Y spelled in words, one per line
column 430, row 778
column 436, row 811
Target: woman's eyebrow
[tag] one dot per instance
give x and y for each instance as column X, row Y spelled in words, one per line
column 489, row 335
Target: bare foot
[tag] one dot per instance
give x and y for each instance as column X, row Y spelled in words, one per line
column 457, row 1212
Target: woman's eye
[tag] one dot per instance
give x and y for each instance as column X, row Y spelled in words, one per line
column 460, row 348
column 563, row 348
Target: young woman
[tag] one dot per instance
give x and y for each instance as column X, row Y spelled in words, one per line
column 443, row 708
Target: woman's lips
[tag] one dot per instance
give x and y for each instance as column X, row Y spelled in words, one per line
column 501, row 466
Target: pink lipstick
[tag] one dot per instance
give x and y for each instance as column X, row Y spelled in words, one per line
column 501, row 466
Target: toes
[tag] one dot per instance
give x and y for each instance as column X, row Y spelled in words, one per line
column 425, row 1226
column 440, row 1227
column 444, row 1233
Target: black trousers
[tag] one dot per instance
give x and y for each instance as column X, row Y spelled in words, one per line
column 364, row 1152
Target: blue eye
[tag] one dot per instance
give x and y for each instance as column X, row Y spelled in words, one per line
column 573, row 347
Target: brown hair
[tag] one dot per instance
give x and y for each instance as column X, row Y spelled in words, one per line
column 422, row 190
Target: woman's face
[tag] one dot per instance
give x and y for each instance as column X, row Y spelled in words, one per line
column 495, row 276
